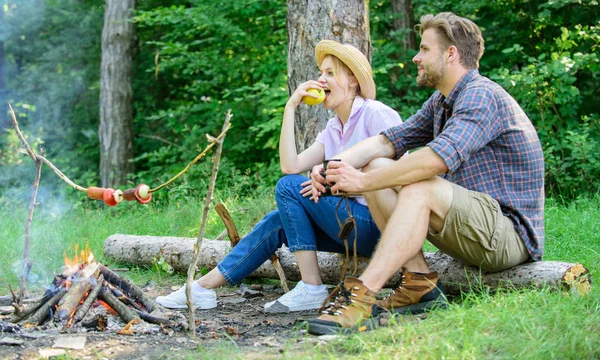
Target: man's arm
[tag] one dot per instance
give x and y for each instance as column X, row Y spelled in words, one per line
column 417, row 166
column 371, row 148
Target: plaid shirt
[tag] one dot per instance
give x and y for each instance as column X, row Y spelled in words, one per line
column 489, row 146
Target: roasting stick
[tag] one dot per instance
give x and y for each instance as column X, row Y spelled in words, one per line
column 111, row 197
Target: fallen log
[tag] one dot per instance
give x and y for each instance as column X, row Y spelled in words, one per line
column 456, row 276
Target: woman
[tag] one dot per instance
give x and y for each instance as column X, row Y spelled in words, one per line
column 302, row 224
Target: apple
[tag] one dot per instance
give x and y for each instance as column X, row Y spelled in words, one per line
column 308, row 100
column 144, row 191
column 118, row 195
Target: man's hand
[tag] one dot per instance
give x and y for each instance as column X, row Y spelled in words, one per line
column 343, row 177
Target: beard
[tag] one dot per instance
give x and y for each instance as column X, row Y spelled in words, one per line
column 432, row 74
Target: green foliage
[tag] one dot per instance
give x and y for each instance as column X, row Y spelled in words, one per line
column 160, row 265
column 198, row 61
column 544, row 53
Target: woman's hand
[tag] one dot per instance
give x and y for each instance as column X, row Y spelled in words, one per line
column 317, row 182
column 306, row 189
column 301, row 92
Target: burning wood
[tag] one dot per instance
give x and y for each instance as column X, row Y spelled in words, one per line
column 84, row 285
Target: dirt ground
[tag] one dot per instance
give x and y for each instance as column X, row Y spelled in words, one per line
column 238, row 327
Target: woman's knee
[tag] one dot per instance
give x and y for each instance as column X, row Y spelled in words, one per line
column 287, row 184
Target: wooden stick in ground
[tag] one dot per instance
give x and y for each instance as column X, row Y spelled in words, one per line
column 192, row 268
column 123, row 310
column 234, row 238
column 32, row 204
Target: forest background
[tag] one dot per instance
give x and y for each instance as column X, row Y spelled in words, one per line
column 195, row 59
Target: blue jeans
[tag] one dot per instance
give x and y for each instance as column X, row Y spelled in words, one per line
column 300, row 224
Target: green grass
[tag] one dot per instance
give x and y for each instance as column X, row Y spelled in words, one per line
column 57, row 228
column 525, row 324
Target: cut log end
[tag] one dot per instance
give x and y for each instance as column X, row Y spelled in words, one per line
column 577, row 280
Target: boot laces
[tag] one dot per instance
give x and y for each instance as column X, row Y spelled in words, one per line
column 340, row 298
column 399, row 288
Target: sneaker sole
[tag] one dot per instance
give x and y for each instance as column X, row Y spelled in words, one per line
column 198, row 307
column 322, row 329
column 275, row 309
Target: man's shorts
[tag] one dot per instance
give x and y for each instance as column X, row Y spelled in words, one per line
column 476, row 232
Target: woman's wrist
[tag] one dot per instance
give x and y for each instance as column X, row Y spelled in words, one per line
column 290, row 105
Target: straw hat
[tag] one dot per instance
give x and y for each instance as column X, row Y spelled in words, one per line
column 354, row 59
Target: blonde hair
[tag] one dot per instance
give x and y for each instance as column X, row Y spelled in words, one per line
column 339, row 67
column 457, row 31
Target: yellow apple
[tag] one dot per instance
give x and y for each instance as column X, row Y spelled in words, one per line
column 311, row 100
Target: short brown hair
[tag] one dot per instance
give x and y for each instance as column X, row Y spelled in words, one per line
column 457, row 31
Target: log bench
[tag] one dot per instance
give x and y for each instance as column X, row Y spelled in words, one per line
column 456, row 276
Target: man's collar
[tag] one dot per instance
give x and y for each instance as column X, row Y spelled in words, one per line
column 448, row 102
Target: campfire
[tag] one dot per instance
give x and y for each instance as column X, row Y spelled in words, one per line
column 89, row 295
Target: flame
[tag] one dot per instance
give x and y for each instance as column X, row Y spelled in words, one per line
column 78, row 261
column 107, row 307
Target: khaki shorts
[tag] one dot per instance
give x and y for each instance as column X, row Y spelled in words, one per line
column 476, row 232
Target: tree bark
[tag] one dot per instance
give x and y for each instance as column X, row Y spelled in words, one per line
column 308, row 22
column 4, row 123
column 115, row 131
column 404, row 20
column 456, row 277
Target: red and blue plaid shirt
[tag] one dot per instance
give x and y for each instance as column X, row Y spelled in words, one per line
column 489, row 145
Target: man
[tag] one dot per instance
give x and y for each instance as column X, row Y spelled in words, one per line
column 474, row 188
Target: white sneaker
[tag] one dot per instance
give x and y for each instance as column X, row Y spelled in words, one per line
column 206, row 299
column 297, row 299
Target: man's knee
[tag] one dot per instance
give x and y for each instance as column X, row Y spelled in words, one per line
column 377, row 163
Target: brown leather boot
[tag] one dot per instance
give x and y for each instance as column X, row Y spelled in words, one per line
column 417, row 293
column 352, row 310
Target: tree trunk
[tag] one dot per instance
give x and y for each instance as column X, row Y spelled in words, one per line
column 456, row 277
column 3, row 99
column 404, row 20
column 308, row 22
column 115, row 131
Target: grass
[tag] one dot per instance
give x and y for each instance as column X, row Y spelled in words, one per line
column 525, row 324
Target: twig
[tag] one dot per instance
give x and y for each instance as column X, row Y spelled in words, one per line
column 60, row 174
column 198, row 157
column 32, row 204
column 222, row 235
column 158, row 138
column 192, row 269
